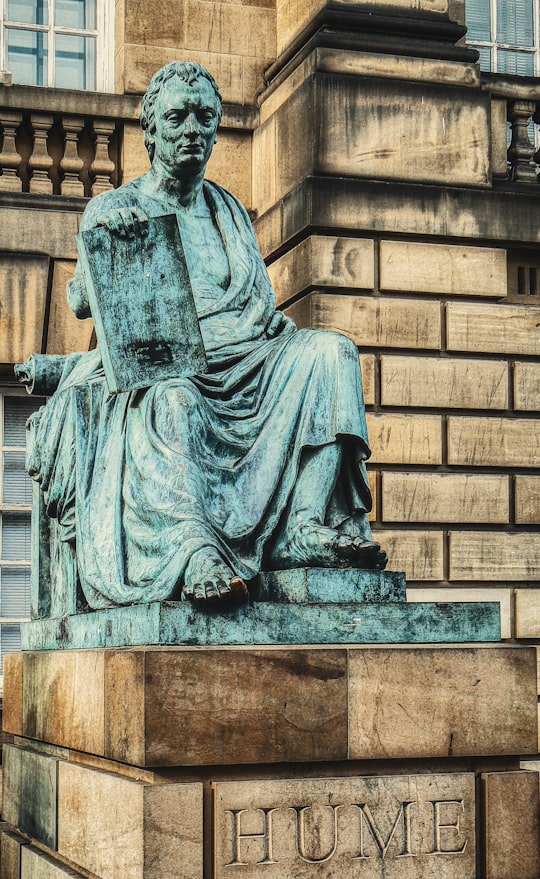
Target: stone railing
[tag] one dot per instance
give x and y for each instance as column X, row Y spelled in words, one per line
column 522, row 96
column 61, row 142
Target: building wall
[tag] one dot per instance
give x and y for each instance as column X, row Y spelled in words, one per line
column 373, row 156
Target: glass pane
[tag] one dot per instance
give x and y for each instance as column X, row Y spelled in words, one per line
column 28, row 11
column 17, row 410
column 75, row 62
column 76, row 13
column 478, row 20
column 485, row 58
column 17, row 483
column 509, row 61
column 15, row 592
column 10, row 641
column 16, row 536
column 515, row 22
column 27, row 56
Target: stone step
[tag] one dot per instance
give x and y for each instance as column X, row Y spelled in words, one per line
column 261, row 623
column 316, row 585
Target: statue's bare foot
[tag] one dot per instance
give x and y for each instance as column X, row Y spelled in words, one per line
column 209, row 578
column 311, row 545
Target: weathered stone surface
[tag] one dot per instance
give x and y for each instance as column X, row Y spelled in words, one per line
column 264, row 623
column 405, row 439
column 448, row 269
column 384, row 129
column 36, row 864
column 527, row 604
column 444, row 497
column 419, row 553
column 23, row 282
column 30, row 793
column 384, row 323
column 368, row 367
column 497, row 329
column 512, row 826
column 112, row 826
column 324, row 261
column 485, row 704
column 487, row 555
column 135, row 159
column 495, row 442
column 55, row 230
column 499, row 148
column 10, row 854
column 230, row 164
column 396, row 827
column 292, row 706
column 482, row 593
column 59, row 679
column 527, row 386
column 402, row 67
column 230, row 28
column 381, row 323
column 438, row 381
column 527, row 500
column 12, row 703
column 65, row 333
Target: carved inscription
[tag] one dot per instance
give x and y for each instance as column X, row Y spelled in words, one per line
column 396, row 827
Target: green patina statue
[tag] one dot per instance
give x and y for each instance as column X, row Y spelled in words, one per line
column 193, row 485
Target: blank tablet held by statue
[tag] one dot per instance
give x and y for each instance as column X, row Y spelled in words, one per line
column 142, row 304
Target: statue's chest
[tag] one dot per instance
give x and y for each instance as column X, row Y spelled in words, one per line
column 205, row 255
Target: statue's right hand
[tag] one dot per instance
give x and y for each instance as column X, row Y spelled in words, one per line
column 125, row 222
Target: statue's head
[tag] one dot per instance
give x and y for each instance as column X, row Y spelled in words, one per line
column 181, row 73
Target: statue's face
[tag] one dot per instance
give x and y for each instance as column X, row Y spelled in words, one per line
column 186, row 118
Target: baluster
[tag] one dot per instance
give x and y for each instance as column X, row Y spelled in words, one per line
column 9, row 157
column 40, row 161
column 102, row 166
column 521, row 149
column 71, row 163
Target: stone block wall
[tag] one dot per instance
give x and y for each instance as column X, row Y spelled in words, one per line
column 452, row 391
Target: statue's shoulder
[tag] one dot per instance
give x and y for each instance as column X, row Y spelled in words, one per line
column 222, row 196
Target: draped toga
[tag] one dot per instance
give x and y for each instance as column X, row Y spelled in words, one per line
column 141, row 480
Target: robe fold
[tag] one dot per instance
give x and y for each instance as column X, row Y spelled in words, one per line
column 141, row 480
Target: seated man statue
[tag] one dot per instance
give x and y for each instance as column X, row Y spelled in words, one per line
column 191, row 487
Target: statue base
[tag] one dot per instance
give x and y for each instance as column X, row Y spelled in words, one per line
column 301, row 606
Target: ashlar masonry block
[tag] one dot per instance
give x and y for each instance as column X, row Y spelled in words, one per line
column 324, row 261
column 527, row 608
column 113, row 826
column 493, row 555
column 419, row 553
column 445, row 382
column 494, row 442
column 30, row 790
column 527, row 386
column 35, row 864
column 443, row 269
column 497, row 329
column 385, row 827
column 444, row 497
column 373, row 322
column 405, row 439
column 527, row 500
column 512, row 827
column 477, row 711
column 11, row 845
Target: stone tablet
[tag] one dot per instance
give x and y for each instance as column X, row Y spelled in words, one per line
column 142, row 303
column 374, row 827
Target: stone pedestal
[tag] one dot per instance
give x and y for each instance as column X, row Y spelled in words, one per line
column 272, row 759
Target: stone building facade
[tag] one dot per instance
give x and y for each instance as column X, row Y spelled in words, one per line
column 394, row 192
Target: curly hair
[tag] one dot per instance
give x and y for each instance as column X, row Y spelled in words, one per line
column 186, row 71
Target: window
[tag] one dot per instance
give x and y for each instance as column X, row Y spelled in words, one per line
column 15, row 505
column 58, row 43
column 507, row 35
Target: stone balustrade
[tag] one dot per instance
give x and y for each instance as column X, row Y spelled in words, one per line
column 61, row 142
column 522, row 97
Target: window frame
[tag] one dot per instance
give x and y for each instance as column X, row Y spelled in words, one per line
column 495, row 45
column 103, row 34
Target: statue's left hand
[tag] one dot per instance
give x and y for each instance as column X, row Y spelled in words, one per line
column 125, row 222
